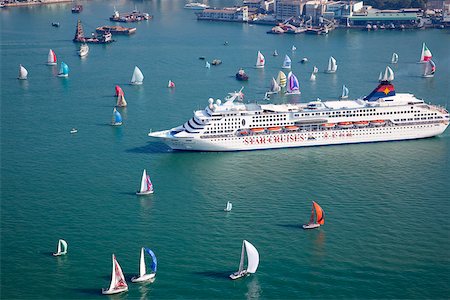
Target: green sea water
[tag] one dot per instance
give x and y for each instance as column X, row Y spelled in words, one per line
column 387, row 205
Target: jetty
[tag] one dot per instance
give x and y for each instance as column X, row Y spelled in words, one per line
column 134, row 16
column 116, row 30
column 106, row 38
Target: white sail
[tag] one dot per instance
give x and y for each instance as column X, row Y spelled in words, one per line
column 344, row 92
column 287, row 62
column 51, row 59
column 118, row 283
column 312, row 77
column 138, row 77
column 332, row 66
column 380, row 77
column 252, row 257
column 394, row 58
column 23, row 73
column 388, row 75
column 142, row 269
column 229, row 206
column 274, row 88
column 144, row 182
column 294, row 48
column 61, row 248
column 260, row 60
column 207, row 65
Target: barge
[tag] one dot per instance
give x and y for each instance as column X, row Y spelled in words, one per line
column 116, row 30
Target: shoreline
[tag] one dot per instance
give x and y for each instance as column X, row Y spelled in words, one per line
column 20, row 4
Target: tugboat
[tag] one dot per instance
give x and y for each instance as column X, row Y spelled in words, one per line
column 241, row 76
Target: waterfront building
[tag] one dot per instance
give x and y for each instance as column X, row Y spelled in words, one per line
column 285, row 9
column 343, row 9
column 396, row 17
column 230, row 14
column 446, row 13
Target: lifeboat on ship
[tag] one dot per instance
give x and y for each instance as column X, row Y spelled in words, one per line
column 378, row 122
column 274, row 129
column 257, row 130
column 345, row 124
column 328, row 125
column 361, row 123
column 291, row 128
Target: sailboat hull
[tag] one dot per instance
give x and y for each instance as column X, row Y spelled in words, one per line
column 114, row 291
column 144, row 193
column 59, row 253
column 146, row 277
column 311, row 226
column 136, row 83
column 51, row 64
column 63, row 75
column 238, row 275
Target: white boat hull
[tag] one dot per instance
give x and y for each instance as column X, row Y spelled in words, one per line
column 302, row 138
column 311, row 226
column 59, row 253
column 146, row 277
column 144, row 193
column 114, row 291
column 116, row 124
column 63, row 75
column 238, row 275
column 137, row 83
column 51, row 64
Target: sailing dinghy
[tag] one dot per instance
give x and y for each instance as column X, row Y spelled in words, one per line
column 146, row 185
column 51, row 59
column 23, row 73
column 293, row 87
column 312, row 77
column 260, row 60
column 394, row 58
column 286, row 62
column 121, row 102
column 344, row 92
column 275, row 53
column 171, row 84
column 429, row 70
column 119, row 91
column 118, row 283
column 116, row 118
column 332, row 66
column 63, row 70
column 317, row 217
column 143, row 276
column 229, row 206
column 138, row 77
column 61, row 248
column 425, row 55
column 252, row 261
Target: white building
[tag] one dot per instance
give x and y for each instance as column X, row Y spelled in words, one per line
column 285, row 9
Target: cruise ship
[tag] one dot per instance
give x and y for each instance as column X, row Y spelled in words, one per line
column 383, row 115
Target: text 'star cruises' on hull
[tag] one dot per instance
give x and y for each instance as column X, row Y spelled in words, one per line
column 383, row 115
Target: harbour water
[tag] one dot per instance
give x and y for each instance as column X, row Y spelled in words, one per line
column 387, row 210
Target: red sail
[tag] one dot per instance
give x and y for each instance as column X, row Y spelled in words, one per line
column 319, row 213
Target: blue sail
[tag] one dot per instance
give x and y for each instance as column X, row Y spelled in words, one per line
column 117, row 117
column 64, row 69
column 155, row 262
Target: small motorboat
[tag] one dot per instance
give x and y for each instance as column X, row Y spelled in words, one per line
column 304, row 60
column 240, row 75
column 201, row 58
column 55, row 24
column 216, row 62
column 73, row 130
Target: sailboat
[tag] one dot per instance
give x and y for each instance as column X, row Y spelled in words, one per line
column 344, row 92
column 146, row 185
column 293, row 87
column 275, row 53
column 287, row 62
column 425, row 55
column 207, row 65
column 84, row 50
column 252, row 261
column 63, row 70
column 51, row 59
column 388, row 75
column 281, row 79
column 229, row 206
column 116, row 118
column 119, row 91
column 61, row 248
column 317, row 217
column 294, row 48
column 171, row 84
column 274, row 87
column 394, row 58
column 23, row 73
column 315, row 70
column 121, row 102
column 332, row 66
column 143, row 276
column 430, row 68
column 260, row 60
column 118, row 283
column 138, row 77
column 312, row 77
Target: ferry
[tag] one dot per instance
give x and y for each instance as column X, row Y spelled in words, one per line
column 383, row 115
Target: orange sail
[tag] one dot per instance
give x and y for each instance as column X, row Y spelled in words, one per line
column 319, row 213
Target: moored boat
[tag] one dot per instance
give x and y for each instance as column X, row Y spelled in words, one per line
column 196, row 6
column 328, row 125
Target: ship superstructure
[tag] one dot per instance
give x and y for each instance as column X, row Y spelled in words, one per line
column 383, row 115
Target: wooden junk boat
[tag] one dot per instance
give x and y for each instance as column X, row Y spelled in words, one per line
column 95, row 39
column 116, row 30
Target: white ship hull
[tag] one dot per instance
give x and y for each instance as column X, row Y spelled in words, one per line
column 303, row 138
